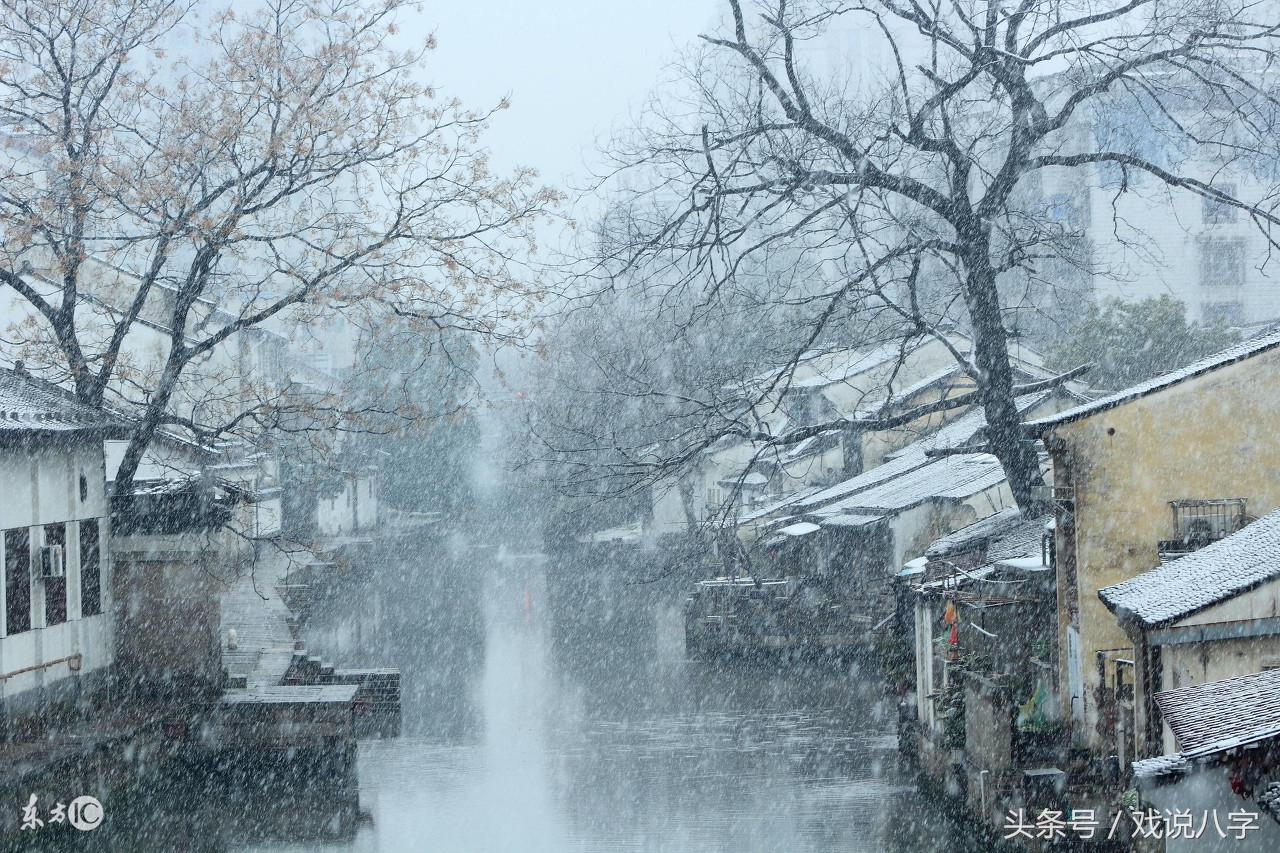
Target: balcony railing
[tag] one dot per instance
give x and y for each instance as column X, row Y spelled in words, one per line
column 1200, row 522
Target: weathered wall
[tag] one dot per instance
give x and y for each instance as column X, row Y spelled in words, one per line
column 1211, row 436
column 40, row 484
column 167, row 611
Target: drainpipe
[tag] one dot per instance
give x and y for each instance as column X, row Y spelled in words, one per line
column 982, row 794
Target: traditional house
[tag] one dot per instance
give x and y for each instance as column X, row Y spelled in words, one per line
column 1207, row 616
column 841, row 547
column 1227, row 736
column 742, row 479
column 1166, row 466
column 983, row 613
column 56, row 639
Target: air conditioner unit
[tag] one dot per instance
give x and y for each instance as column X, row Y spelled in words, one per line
column 52, row 562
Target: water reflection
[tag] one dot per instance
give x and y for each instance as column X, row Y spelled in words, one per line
column 537, row 722
column 597, row 735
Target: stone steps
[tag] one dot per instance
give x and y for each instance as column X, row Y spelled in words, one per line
column 268, row 654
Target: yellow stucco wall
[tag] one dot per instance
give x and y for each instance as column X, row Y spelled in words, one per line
column 1212, row 436
column 1197, row 663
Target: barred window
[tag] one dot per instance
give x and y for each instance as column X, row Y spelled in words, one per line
column 1222, row 263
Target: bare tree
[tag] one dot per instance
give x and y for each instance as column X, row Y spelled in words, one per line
column 917, row 190
column 294, row 164
column 637, row 376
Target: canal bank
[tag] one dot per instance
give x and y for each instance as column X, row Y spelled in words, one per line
column 529, row 728
column 284, row 726
column 540, row 718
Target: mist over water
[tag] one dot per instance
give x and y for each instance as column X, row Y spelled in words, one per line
column 535, row 720
column 544, row 713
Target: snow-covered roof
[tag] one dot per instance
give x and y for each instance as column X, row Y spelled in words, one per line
column 851, row 520
column 779, row 504
column 826, row 366
column 955, row 477
column 791, row 531
column 1220, row 715
column 29, row 405
column 811, row 446
column 1022, row 542
column 801, row 528
column 900, row 396
column 751, row 481
column 858, row 362
column 956, row 434
column 1011, row 542
column 960, row 432
column 1216, row 572
column 976, row 534
column 1231, row 355
column 1164, row 765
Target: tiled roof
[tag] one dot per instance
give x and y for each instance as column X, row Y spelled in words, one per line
column 1239, row 352
column 28, row 405
column 958, row 433
column 1025, row 540
column 854, row 363
column 954, row 434
column 1012, row 542
column 955, row 477
column 971, row 537
column 1220, row 715
column 1221, row 570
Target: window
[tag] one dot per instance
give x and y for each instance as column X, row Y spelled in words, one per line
column 1215, row 212
column 799, row 407
column 17, row 580
column 1208, row 520
column 1222, row 264
column 55, row 588
column 714, row 497
column 1230, row 313
column 1200, row 521
column 1062, row 209
column 90, row 569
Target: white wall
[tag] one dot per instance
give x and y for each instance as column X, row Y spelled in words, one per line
column 39, row 485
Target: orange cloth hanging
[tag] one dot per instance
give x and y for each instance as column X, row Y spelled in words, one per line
column 949, row 615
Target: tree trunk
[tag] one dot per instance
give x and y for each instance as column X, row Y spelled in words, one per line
column 141, row 438
column 991, row 353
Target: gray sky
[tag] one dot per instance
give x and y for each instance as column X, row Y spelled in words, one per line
column 572, row 67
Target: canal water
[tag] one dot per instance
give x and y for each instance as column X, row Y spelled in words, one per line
column 541, row 722
column 558, row 722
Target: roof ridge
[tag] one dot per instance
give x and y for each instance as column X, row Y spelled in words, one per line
column 1224, row 358
column 1215, row 573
